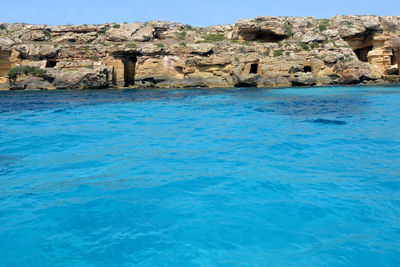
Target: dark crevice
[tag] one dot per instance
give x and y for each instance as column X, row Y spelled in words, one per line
column 307, row 69
column 129, row 70
column 254, row 68
column 265, row 36
column 51, row 63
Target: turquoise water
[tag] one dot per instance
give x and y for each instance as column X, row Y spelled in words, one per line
column 244, row 177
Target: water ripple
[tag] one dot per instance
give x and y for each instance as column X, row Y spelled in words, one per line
column 244, row 177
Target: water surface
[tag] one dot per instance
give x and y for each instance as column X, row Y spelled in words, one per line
column 243, row 177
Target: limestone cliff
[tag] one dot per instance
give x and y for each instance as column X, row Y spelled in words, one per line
column 262, row 52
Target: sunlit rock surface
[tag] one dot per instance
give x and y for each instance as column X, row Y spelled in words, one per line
column 262, row 52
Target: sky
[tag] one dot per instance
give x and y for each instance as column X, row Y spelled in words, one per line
column 196, row 13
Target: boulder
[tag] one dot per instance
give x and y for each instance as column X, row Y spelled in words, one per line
column 35, row 52
column 145, row 34
column 30, row 83
column 84, row 78
column 200, row 49
column 303, row 79
column 124, row 33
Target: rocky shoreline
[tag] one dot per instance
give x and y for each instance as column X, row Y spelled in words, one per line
column 262, row 52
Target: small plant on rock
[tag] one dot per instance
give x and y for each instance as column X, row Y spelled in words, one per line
column 278, row 53
column 304, row 46
column 314, row 44
column 334, row 43
column 288, row 29
column 211, row 38
column 323, row 25
column 131, row 45
column 116, row 26
column 182, row 35
column 47, row 33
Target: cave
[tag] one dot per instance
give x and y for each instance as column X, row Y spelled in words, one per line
column 129, row 71
column 307, row 69
column 264, row 36
column 51, row 63
column 393, row 58
column 5, row 63
column 268, row 37
column 362, row 53
column 254, row 68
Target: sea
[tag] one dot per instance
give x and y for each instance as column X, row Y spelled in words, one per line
column 200, row 177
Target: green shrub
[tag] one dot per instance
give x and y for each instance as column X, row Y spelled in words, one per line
column 304, row 46
column 160, row 45
column 278, row 53
column 334, row 43
column 95, row 58
column 13, row 73
column 47, row 33
column 103, row 31
column 182, row 35
column 211, row 38
column 288, row 29
column 314, row 44
column 323, row 25
column 116, row 26
column 2, row 27
column 131, row 45
column 183, row 44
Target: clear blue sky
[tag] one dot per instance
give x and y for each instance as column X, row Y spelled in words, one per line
column 197, row 13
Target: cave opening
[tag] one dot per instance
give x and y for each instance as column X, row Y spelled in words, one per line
column 362, row 53
column 51, row 63
column 307, row 69
column 129, row 71
column 393, row 58
column 5, row 63
column 254, row 68
column 268, row 37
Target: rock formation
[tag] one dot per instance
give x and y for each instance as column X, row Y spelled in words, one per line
column 262, row 52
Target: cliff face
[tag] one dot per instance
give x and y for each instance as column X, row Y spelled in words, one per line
column 263, row 52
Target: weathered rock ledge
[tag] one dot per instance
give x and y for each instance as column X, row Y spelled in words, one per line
column 262, row 52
